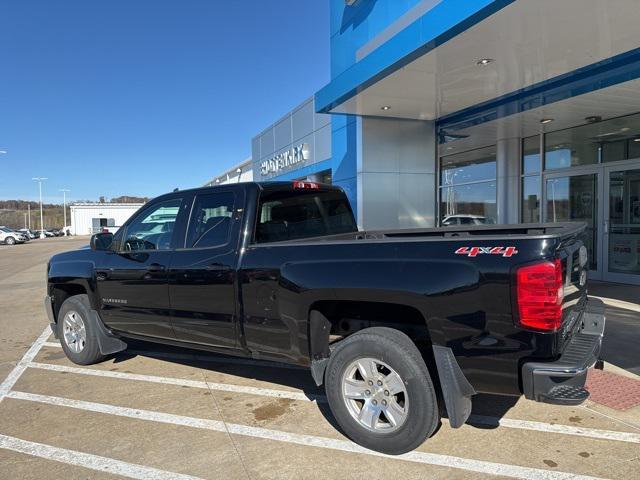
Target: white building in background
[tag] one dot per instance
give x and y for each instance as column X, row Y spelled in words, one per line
column 243, row 172
column 89, row 218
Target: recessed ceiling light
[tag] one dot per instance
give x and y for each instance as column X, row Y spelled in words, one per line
column 449, row 148
column 625, row 129
column 636, row 140
column 485, row 61
column 544, row 121
column 593, row 119
column 385, row 108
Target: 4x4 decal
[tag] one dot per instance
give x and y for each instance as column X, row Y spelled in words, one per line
column 475, row 251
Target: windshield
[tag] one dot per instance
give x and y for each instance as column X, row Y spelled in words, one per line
column 302, row 214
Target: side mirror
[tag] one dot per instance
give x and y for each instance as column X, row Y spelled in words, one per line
column 101, row 241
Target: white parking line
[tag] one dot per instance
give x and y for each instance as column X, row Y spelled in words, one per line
column 8, row 383
column 474, row 419
column 555, row 428
column 224, row 387
column 203, row 358
column 477, row 466
column 87, row 460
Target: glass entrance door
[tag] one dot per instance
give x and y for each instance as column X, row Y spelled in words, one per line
column 621, row 242
column 574, row 198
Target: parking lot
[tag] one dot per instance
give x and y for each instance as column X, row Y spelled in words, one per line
column 156, row 412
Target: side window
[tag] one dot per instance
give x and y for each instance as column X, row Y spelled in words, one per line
column 211, row 220
column 152, row 229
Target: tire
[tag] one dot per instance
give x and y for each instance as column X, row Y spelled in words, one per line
column 418, row 403
column 10, row 241
column 74, row 324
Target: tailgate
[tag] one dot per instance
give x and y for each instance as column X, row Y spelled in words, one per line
column 575, row 265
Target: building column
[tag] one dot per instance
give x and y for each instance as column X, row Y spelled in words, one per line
column 396, row 173
column 508, row 180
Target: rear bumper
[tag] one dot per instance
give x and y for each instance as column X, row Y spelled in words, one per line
column 562, row 382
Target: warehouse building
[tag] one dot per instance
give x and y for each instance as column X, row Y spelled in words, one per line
column 90, row 218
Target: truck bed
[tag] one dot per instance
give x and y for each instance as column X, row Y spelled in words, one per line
column 487, row 232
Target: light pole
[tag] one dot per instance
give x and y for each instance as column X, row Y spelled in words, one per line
column 64, row 208
column 40, row 180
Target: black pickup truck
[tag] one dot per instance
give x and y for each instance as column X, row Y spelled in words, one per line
column 401, row 326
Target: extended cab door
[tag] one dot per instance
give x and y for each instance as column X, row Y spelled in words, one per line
column 202, row 276
column 133, row 287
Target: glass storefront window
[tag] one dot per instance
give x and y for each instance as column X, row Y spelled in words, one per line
column 468, row 188
column 601, row 142
column 531, row 199
column 624, row 222
column 472, row 166
column 570, row 148
column 531, row 155
column 468, row 204
column 574, row 199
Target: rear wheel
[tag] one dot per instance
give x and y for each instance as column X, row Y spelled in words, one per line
column 76, row 332
column 380, row 391
column 10, row 241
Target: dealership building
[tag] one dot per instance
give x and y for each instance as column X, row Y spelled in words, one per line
column 476, row 111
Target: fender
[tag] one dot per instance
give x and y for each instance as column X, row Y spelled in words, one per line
column 74, row 272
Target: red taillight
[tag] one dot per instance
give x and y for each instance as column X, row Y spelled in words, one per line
column 306, row 185
column 540, row 294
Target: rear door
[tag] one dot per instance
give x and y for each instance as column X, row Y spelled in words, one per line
column 134, row 287
column 202, row 276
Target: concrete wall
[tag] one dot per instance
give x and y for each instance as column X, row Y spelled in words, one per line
column 396, row 173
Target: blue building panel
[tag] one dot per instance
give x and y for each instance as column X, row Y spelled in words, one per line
column 364, row 20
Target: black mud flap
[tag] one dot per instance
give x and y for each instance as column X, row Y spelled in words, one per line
column 456, row 389
column 107, row 342
column 319, row 330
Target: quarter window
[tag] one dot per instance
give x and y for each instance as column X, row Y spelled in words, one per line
column 211, row 220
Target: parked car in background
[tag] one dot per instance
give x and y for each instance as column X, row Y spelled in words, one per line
column 28, row 233
column 11, row 237
column 452, row 220
column 47, row 233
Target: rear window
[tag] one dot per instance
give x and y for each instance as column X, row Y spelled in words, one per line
column 303, row 214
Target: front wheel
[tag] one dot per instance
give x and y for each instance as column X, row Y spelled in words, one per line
column 10, row 241
column 76, row 332
column 380, row 391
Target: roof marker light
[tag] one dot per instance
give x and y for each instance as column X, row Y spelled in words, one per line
column 544, row 121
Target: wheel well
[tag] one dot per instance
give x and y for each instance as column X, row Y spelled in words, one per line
column 62, row 292
column 348, row 317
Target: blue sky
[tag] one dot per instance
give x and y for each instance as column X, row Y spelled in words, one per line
column 137, row 97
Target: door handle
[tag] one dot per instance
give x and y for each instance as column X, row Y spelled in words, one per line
column 155, row 267
column 218, row 267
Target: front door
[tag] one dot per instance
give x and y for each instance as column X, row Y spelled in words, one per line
column 134, row 287
column 574, row 198
column 622, row 224
column 202, row 275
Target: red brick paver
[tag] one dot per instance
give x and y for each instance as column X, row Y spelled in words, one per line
column 613, row 391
